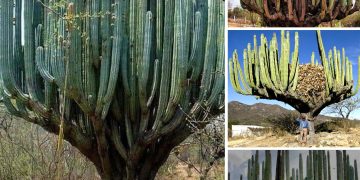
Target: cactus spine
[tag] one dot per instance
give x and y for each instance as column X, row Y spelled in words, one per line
column 137, row 71
column 269, row 74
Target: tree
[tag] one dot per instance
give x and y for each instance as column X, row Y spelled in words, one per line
column 308, row 88
column 300, row 12
column 117, row 79
column 345, row 108
column 237, row 12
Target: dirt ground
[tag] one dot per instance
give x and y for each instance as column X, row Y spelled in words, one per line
column 183, row 172
column 240, row 23
column 350, row 138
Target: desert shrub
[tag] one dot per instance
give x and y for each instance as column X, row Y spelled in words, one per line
column 285, row 123
column 336, row 125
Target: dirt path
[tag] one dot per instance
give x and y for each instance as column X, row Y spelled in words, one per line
column 349, row 138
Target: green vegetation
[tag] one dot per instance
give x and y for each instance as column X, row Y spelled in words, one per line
column 121, row 80
column 269, row 74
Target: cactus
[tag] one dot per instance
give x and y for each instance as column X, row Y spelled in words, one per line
column 125, row 76
column 300, row 12
column 279, row 168
column 257, row 166
column 269, row 74
column 287, row 164
column 328, row 165
column 356, row 176
column 301, row 175
column 325, row 166
column 317, row 166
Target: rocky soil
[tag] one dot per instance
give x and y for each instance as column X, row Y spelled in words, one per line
column 342, row 138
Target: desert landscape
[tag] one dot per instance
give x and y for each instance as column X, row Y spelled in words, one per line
column 330, row 131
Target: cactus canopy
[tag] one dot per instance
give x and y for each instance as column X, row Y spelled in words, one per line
column 269, row 74
column 123, row 78
column 301, row 12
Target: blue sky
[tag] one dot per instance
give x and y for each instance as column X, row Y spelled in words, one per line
column 348, row 39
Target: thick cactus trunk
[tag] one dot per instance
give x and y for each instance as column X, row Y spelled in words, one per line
column 300, row 12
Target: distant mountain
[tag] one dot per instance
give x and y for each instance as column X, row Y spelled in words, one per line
column 239, row 113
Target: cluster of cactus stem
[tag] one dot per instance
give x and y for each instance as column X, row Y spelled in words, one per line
column 128, row 72
column 301, row 12
column 318, row 166
column 269, row 74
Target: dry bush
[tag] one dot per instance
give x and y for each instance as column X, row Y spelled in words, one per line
column 284, row 123
column 339, row 124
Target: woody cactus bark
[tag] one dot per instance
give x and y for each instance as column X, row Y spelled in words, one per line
column 125, row 76
column 268, row 74
column 300, row 12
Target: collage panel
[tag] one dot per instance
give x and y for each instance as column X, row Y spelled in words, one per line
column 293, row 164
column 293, row 89
column 293, row 13
column 112, row 89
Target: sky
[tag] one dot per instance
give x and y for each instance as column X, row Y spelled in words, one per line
column 348, row 39
column 238, row 161
column 234, row 3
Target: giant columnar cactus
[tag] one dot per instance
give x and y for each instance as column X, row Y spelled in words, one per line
column 300, row 12
column 301, row 175
column 269, row 74
column 126, row 77
column 315, row 169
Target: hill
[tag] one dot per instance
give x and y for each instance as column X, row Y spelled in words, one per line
column 256, row 114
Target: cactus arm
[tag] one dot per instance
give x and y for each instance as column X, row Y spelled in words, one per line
column 284, row 61
column 155, row 83
column 219, row 79
column 294, row 85
column 194, row 61
column 39, row 59
column 94, row 32
column 166, row 62
column 250, row 60
column 339, row 72
column 18, row 46
column 144, row 72
column 324, row 60
column 89, row 71
column 179, row 66
column 6, row 52
column 115, row 61
column 75, row 60
column 263, row 68
column 145, row 63
column 159, row 28
column 313, row 58
column 358, row 79
column 106, row 56
column 295, row 58
column 234, row 77
column 331, row 62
